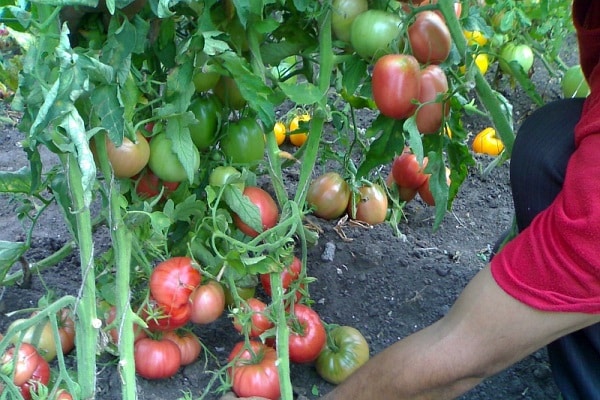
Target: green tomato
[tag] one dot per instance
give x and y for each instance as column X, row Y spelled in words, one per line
column 229, row 93
column 343, row 13
column 345, row 352
column 164, row 163
column 375, row 33
column 204, row 79
column 207, row 113
column 224, row 175
column 574, row 84
column 243, row 141
column 520, row 53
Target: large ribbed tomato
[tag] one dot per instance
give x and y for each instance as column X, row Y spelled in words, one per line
column 254, row 370
column 173, row 280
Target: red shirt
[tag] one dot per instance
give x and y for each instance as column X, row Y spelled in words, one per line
column 554, row 264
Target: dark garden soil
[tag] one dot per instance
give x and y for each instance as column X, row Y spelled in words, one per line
column 386, row 286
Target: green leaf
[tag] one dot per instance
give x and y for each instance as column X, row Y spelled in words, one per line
column 354, row 73
column 303, row 94
column 10, row 252
column 15, row 181
column 438, row 185
column 60, row 189
column 244, row 208
column 177, row 130
column 105, row 103
column 383, row 149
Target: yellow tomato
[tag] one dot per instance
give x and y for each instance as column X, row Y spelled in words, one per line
column 482, row 61
column 279, row 131
column 475, row 37
column 298, row 139
column 487, row 142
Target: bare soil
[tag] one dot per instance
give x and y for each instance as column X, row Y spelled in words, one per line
column 386, row 286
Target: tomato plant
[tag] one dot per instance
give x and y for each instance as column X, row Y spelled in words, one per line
column 346, row 350
column 208, row 302
column 173, row 280
column 129, row 158
column 369, row 204
column 206, row 110
column 156, row 359
column 344, row 12
column 487, row 142
column 164, row 162
column 243, row 141
column 407, row 171
column 288, row 275
column 269, row 213
column 259, row 321
column 188, row 343
column 396, row 84
column 254, row 370
column 307, row 334
column 328, row 195
column 434, row 108
column 374, row 33
column 245, row 293
column 429, row 38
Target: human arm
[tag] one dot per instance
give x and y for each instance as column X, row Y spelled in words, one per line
column 485, row 331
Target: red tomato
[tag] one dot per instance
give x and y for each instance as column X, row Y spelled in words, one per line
column 307, row 336
column 259, row 320
column 406, row 194
column 22, row 368
column 160, row 318
column 429, row 38
column 407, row 171
column 156, row 359
column 288, row 275
column 396, row 85
column 66, row 330
column 62, row 394
column 173, row 280
column 208, row 302
column 188, row 343
column 267, row 208
column 149, row 185
column 371, row 204
column 254, row 372
column 40, row 375
column 425, row 191
column 329, row 195
column 431, row 114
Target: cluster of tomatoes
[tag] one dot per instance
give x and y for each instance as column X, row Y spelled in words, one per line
column 296, row 136
column 27, row 362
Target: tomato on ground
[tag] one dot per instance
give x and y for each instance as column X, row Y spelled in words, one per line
column 254, row 370
column 369, row 204
column 188, row 343
column 307, row 334
column 346, row 350
column 329, row 195
column 156, row 359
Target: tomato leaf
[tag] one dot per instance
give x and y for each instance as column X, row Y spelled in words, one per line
column 243, row 207
column 10, row 252
column 354, row 73
column 15, row 181
column 178, row 132
column 382, row 151
column 106, row 105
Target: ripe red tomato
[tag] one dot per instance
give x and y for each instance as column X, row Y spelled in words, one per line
column 269, row 213
column 259, row 320
column 188, row 343
column 396, row 84
column 371, row 204
column 429, row 38
column 22, row 368
column 329, row 195
column 425, row 191
column 307, row 335
column 156, row 359
column 208, row 302
column 254, row 371
column 407, row 171
column 149, row 185
column 66, row 330
column 160, row 317
column 40, row 375
column 173, row 280
column 374, row 33
column 343, row 13
column 430, row 115
column 289, row 275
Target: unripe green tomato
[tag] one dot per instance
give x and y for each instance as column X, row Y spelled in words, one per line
column 226, row 174
column 521, row 53
column 375, row 33
column 164, row 162
column 243, row 141
column 343, row 13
